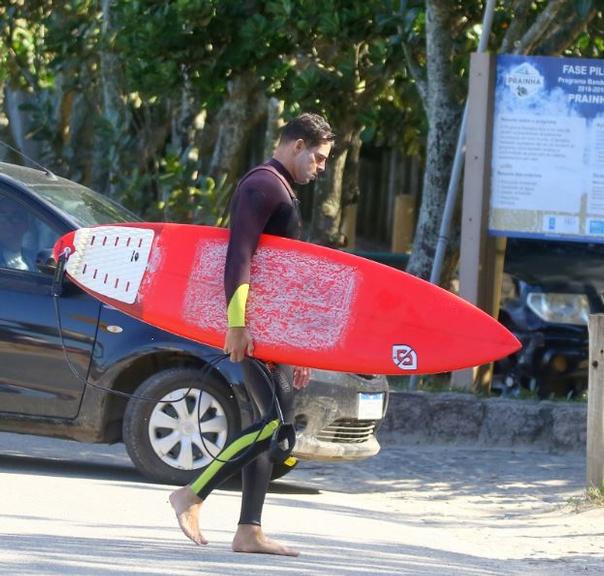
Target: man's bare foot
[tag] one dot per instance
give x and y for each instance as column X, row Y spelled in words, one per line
column 250, row 538
column 186, row 504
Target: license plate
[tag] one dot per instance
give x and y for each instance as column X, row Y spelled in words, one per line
column 370, row 406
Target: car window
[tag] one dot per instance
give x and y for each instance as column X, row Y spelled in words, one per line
column 23, row 235
column 86, row 207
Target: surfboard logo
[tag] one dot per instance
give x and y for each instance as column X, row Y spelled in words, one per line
column 404, row 357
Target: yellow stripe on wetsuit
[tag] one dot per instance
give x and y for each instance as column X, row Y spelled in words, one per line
column 236, row 307
column 230, row 451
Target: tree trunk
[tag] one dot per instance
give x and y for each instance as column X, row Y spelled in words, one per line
column 350, row 189
column 327, row 205
column 79, row 148
column 274, row 122
column 444, row 114
column 237, row 118
column 183, row 123
column 350, row 182
column 4, row 129
column 205, row 141
column 20, row 121
column 109, row 139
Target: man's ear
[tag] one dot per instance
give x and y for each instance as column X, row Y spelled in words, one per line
column 299, row 145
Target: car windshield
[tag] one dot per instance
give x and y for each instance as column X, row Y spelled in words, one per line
column 86, row 207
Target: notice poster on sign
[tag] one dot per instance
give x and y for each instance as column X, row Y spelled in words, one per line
column 547, row 178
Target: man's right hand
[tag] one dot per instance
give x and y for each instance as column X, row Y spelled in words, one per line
column 238, row 343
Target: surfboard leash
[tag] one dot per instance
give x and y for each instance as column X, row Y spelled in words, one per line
column 275, row 408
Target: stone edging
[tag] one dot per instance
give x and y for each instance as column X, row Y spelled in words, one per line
column 451, row 417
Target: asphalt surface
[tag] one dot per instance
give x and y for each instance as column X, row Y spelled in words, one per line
column 68, row 508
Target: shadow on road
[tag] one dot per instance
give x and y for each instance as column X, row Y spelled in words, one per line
column 48, row 466
column 65, row 468
column 48, row 553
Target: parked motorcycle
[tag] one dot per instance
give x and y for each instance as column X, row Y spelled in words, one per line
column 551, row 289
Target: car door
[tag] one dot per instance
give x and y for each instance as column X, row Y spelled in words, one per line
column 35, row 377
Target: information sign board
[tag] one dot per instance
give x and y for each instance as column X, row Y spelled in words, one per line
column 547, row 177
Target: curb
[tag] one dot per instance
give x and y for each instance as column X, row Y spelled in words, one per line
column 421, row 417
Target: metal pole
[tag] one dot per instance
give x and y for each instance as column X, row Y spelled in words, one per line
column 451, row 199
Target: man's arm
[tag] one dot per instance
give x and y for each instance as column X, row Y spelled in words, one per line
column 251, row 212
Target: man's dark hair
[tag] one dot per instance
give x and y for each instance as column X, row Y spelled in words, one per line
column 311, row 128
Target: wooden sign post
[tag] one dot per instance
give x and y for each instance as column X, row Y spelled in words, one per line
column 595, row 403
column 481, row 256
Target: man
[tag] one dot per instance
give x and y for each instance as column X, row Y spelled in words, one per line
column 264, row 202
column 13, row 227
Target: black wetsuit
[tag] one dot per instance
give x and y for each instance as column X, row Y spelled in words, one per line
column 264, row 202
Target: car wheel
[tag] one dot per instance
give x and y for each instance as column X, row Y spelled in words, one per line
column 173, row 439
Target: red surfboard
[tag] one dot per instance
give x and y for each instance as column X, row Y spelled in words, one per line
column 308, row 305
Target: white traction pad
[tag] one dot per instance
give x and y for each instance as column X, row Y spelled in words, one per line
column 111, row 260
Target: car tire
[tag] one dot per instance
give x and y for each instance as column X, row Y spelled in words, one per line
column 147, row 424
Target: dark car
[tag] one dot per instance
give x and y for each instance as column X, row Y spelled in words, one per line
column 551, row 289
column 58, row 355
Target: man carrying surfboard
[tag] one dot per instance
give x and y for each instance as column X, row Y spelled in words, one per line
column 264, row 202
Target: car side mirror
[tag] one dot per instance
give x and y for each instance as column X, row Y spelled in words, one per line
column 45, row 262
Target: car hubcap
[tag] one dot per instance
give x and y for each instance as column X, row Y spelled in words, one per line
column 186, row 433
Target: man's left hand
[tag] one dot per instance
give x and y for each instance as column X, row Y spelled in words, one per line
column 301, row 377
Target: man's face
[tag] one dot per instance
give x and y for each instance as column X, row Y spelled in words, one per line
column 309, row 162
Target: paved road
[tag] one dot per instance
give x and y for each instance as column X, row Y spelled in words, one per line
column 68, row 508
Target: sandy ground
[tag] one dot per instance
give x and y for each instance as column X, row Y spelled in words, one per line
column 68, row 508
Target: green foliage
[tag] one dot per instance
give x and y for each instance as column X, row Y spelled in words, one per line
column 359, row 62
column 189, row 197
column 590, row 43
column 40, row 38
column 158, row 42
column 181, row 194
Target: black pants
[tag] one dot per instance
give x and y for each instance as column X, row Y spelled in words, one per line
column 249, row 451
